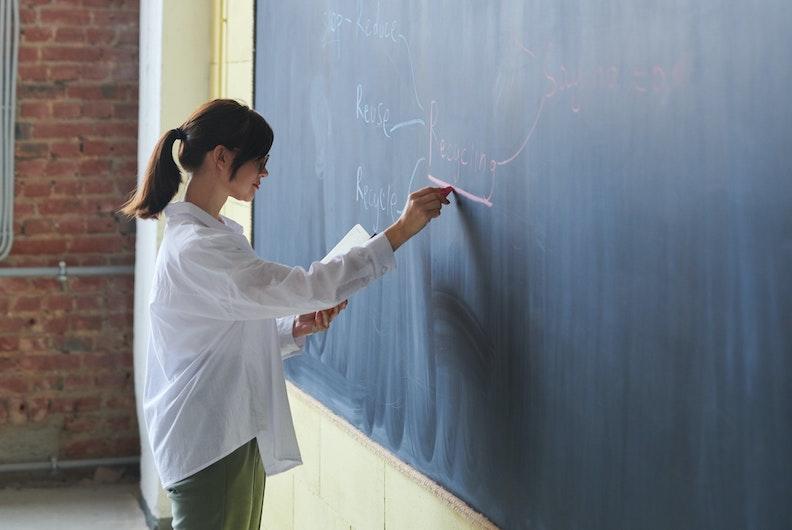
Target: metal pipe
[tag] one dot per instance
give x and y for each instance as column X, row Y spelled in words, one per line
column 62, row 271
column 9, row 43
column 54, row 464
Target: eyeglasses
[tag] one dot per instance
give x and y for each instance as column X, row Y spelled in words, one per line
column 263, row 163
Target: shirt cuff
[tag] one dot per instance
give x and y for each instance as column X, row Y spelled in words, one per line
column 382, row 254
column 289, row 346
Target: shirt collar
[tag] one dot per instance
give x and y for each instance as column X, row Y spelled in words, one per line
column 187, row 209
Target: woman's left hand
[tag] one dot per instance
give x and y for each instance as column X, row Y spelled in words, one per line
column 311, row 323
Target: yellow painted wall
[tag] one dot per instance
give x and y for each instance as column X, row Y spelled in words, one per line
column 232, row 73
column 347, row 481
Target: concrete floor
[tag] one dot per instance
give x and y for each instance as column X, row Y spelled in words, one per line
column 73, row 507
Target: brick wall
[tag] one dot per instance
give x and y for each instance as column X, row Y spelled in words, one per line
column 66, row 348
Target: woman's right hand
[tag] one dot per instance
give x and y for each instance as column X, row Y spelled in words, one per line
column 422, row 206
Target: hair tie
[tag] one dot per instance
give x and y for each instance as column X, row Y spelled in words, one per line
column 180, row 134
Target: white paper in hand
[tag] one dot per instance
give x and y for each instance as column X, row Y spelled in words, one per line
column 356, row 237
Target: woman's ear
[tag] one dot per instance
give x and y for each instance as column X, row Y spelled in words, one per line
column 221, row 157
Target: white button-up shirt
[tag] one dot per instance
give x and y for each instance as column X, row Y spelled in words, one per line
column 221, row 324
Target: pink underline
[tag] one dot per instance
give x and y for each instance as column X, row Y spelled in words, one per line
column 460, row 191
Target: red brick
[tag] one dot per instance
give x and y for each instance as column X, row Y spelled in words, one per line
column 113, row 379
column 39, row 246
column 125, row 111
column 66, row 17
column 71, row 226
column 35, row 189
column 88, row 283
column 14, row 385
column 115, row 19
column 82, row 423
column 85, row 448
column 71, row 187
column 9, row 344
column 100, row 244
column 86, row 323
column 62, row 405
column 121, row 148
column 99, row 36
column 99, row 360
column 43, row 383
column 34, row 227
column 67, row 109
column 36, row 34
column 87, row 403
column 50, row 362
column 96, row 147
column 12, row 324
column 56, row 325
column 78, row 382
column 78, row 92
column 101, row 226
column 128, row 445
column 71, row 53
column 122, row 129
column 120, row 402
column 28, row 16
column 23, row 210
column 99, row 186
column 120, row 423
column 98, row 109
column 38, row 409
column 92, row 166
column 120, row 55
column 62, row 129
column 84, row 303
column 32, row 72
column 44, row 91
column 8, row 363
column 39, row 110
column 30, row 150
column 61, row 168
column 64, row 72
column 126, row 4
column 35, row 344
column 27, row 303
column 28, row 54
column 15, row 285
column 58, row 302
column 125, row 72
column 128, row 37
column 17, row 411
column 70, row 35
column 66, row 149
column 97, row 72
column 60, row 206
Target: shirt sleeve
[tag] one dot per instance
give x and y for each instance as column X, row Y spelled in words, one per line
column 218, row 278
column 289, row 346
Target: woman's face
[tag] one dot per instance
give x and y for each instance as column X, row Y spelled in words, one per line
column 248, row 179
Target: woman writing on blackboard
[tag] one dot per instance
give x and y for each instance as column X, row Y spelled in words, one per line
column 222, row 319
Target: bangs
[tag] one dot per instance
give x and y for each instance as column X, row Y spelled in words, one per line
column 255, row 140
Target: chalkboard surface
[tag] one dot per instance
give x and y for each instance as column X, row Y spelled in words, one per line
column 597, row 333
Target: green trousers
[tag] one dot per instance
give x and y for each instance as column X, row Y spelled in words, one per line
column 227, row 495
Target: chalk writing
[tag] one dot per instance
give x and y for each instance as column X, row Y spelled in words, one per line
column 382, row 199
column 376, row 28
column 462, row 156
column 377, row 115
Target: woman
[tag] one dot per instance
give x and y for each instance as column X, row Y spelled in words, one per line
column 222, row 319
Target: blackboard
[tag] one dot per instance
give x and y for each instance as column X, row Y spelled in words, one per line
column 597, row 333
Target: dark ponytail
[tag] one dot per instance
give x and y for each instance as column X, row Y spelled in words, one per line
column 160, row 183
column 218, row 122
